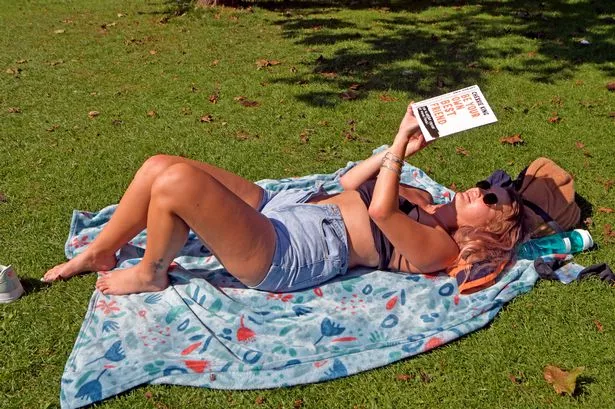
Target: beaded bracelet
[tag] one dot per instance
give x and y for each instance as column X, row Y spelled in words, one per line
column 393, row 157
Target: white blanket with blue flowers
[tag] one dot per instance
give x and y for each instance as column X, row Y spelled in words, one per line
column 209, row 330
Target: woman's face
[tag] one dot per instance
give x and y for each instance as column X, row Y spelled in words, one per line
column 473, row 211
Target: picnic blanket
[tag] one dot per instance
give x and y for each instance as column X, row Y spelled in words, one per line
column 207, row 329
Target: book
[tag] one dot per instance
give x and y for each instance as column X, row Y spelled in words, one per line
column 453, row 112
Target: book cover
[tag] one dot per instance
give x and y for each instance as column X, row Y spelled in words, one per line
column 453, row 112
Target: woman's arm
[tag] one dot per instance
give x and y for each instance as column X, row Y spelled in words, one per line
column 369, row 167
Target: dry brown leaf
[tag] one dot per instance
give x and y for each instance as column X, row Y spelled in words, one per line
column 148, row 395
column 259, row 400
column 404, row 377
column 610, row 86
column 349, row 95
column 453, row 186
column 215, row 62
column 605, row 210
column 213, row 98
column 59, row 31
column 562, row 381
column 21, row 61
column 579, row 144
column 298, row 403
column 554, row 119
column 152, row 114
column 248, row 103
column 3, row 198
column 14, row 110
column 316, row 28
column 387, row 98
column 323, row 123
column 93, row 114
column 608, row 183
column 461, row 151
column 599, row 326
column 206, row 118
column 354, row 86
column 329, row 74
column 517, row 379
column 512, row 139
column 579, row 82
column 425, row 377
column 153, row 52
column 52, row 128
column 242, row 135
column 186, row 111
column 304, row 136
column 217, row 16
column 608, row 232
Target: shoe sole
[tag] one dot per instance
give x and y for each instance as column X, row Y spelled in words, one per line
column 6, row 298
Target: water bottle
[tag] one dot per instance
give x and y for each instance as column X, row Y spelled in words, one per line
column 562, row 243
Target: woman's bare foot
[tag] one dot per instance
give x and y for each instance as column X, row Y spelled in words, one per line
column 136, row 279
column 86, row 261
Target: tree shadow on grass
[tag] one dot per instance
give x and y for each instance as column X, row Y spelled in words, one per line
column 438, row 50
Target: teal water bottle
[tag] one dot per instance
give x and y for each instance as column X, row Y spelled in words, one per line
column 562, row 243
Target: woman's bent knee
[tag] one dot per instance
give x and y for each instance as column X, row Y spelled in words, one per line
column 179, row 181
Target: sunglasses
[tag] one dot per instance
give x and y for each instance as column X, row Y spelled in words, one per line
column 489, row 198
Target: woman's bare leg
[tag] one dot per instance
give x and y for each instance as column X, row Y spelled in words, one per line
column 184, row 197
column 130, row 216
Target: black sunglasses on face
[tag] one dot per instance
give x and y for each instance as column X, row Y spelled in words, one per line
column 489, row 198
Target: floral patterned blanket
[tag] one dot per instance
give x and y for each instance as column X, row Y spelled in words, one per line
column 209, row 330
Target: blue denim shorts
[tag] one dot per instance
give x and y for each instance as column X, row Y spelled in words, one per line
column 311, row 242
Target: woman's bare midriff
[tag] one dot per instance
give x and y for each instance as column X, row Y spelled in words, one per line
column 361, row 244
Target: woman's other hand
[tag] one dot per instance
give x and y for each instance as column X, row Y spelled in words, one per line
column 410, row 134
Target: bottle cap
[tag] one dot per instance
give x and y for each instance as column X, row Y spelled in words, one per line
column 587, row 238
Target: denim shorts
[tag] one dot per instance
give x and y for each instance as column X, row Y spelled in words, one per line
column 311, row 242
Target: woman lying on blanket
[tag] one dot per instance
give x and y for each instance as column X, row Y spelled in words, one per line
column 293, row 239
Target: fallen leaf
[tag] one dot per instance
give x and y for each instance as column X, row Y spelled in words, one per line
column 186, row 111
column 610, row 86
column 608, row 183
column 152, row 114
column 517, row 379
column 453, row 186
column 239, row 98
column 605, row 210
column 3, row 198
column 14, row 110
column 587, row 153
column 354, row 86
column 554, row 119
column 608, row 232
column 243, row 135
column 93, row 114
column 193, row 88
column 12, row 71
column 21, row 61
column 512, row 139
column 164, row 20
column 248, row 103
column 579, row 144
column 562, row 381
column 53, row 128
column 404, row 377
column 612, row 114
column 293, row 69
column 579, row 82
column 323, row 123
column 349, row 95
column 206, row 118
column 316, row 28
column 56, row 62
column 599, row 326
column 425, row 377
column 259, row 400
column 117, row 122
column 386, row 98
column 148, row 395
column 215, row 62
column 217, row 16
column 213, row 98
column 461, row 151
column 557, row 100
column 304, row 136
column 329, row 74
column 266, row 63
column 153, row 52
column 298, row 403
column 120, row 15
column 233, row 18
column 59, row 31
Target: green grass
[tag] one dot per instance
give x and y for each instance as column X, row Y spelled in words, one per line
column 526, row 58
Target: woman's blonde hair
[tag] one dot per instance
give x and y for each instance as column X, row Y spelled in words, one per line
column 493, row 244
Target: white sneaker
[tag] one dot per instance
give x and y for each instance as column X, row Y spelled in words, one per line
column 10, row 286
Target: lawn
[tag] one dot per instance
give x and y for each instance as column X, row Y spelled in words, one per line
column 90, row 89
